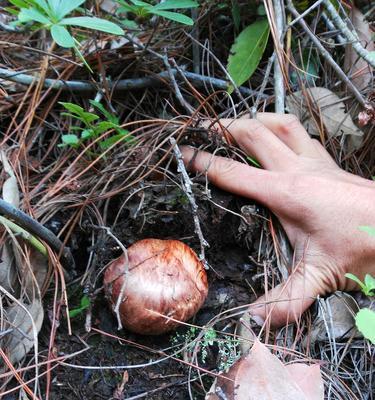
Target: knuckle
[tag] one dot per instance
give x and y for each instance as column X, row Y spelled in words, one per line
column 223, row 168
column 255, row 131
column 289, row 123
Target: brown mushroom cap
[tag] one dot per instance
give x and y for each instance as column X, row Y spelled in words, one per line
column 165, row 276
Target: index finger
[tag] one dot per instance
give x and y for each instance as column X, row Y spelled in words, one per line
column 233, row 176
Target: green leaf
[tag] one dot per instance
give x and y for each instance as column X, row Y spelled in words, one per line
column 106, row 113
column 104, row 126
column 247, row 51
column 43, row 5
column 175, row 5
column 181, row 18
column 19, row 3
column 79, row 112
column 87, row 134
column 370, row 283
column 365, row 322
column 368, row 229
column 356, row 280
column 66, row 7
column 73, row 108
column 97, row 24
column 236, row 14
column 139, row 3
column 107, row 143
column 126, row 8
column 129, row 24
column 85, row 301
column 70, row 140
column 30, row 14
column 62, row 36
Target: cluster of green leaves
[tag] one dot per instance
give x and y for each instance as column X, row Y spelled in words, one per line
column 142, row 9
column 84, row 305
column 92, row 126
column 227, row 347
column 365, row 318
column 52, row 15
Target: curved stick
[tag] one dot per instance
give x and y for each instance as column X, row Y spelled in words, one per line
column 37, row 229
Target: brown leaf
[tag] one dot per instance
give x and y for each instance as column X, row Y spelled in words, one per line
column 358, row 68
column 335, row 319
column 330, row 112
column 24, row 322
column 262, row 376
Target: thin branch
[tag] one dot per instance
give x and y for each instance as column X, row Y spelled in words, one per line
column 278, row 73
column 83, row 87
column 326, row 55
column 352, row 37
column 37, row 229
column 189, row 194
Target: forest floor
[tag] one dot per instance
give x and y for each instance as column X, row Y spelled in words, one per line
column 94, row 196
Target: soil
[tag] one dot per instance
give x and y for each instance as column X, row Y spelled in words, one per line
column 165, row 213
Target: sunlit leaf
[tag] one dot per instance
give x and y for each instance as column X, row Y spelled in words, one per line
column 62, row 36
column 365, row 321
column 181, row 18
column 30, row 14
column 67, row 6
column 175, row 5
column 97, row 24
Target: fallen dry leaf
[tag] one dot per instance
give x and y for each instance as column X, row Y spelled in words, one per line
column 359, row 69
column 335, row 319
column 262, row 376
column 24, row 322
column 330, row 109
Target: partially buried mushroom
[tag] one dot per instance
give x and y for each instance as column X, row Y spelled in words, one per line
column 158, row 279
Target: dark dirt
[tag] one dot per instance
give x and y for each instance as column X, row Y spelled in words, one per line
column 161, row 212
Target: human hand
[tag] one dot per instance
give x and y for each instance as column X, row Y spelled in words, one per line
column 319, row 205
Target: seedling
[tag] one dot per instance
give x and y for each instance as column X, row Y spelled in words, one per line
column 92, row 126
column 84, row 305
column 141, row 9
column 51, row 15
column 227, row 347
column 367, row 286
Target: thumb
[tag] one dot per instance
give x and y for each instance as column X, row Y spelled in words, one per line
column 286, row 302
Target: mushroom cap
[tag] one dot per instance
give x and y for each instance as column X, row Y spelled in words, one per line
column 161, row 278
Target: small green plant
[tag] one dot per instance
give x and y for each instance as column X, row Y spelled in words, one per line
column 227, row 347
column 365, row 318
column 84, row 305
column 142, row 9
column 92, row 126
column 51, row 15
column 367, row 286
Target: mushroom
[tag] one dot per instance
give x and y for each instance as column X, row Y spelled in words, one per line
column 156, row 279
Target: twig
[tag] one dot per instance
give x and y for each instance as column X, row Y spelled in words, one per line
column 278, row 73
column 189, row 194
column 332, row 27
column 116, row 308
column 352, row 37
column 306, row 12
column 32, row 226
column 123, row 85
column 177, row 90
column 327, row 55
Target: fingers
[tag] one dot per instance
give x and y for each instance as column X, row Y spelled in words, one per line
column 286, row 302
column 289, row 130
column 260, row 142
column 234, row 176
column 268, row 133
